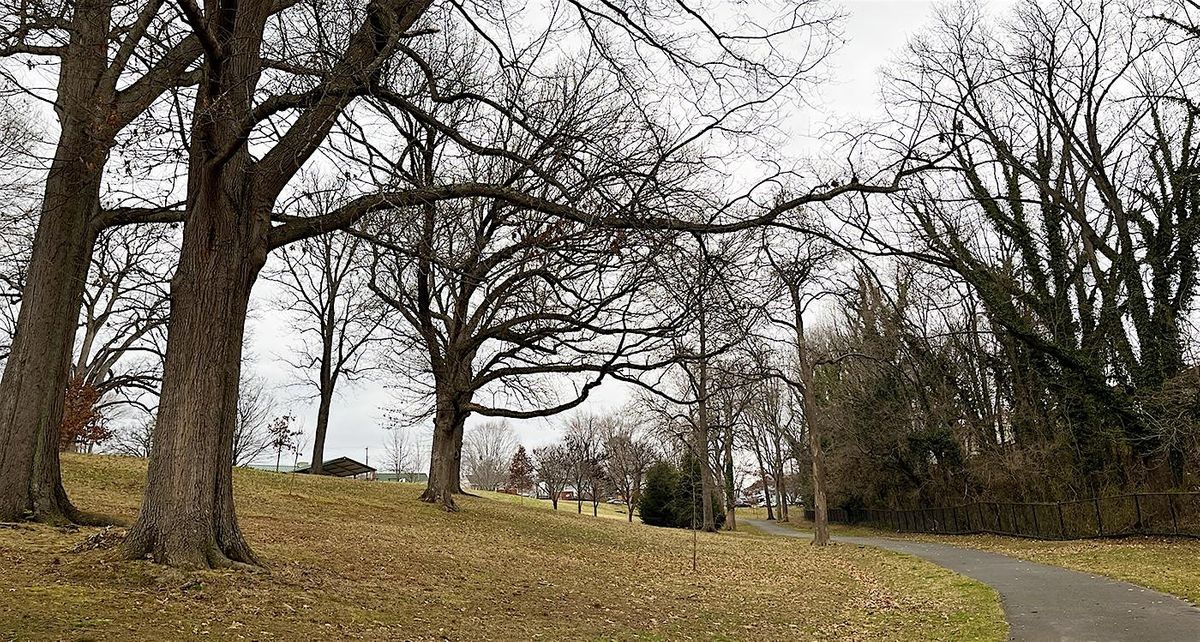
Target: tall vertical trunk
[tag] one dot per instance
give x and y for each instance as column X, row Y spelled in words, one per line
column 327, row 381
column 318, row 452
column 730, row 491
column 34, row 384
column 708, row 520
column 781, row 498
column 187, row 517
column 820, row 503
column 812, row 421
column 33, row 388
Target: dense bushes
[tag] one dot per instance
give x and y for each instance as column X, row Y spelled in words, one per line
column 672, row 496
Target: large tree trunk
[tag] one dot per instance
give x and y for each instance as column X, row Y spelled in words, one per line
column 187, row 517
column 34, row 384
column 445, row 459
column 820, row 504
column 35, row 376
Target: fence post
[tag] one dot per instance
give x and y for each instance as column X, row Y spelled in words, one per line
column 1174, row 518
column 1137, row 507
column 1099, row 517
column 1062, row 525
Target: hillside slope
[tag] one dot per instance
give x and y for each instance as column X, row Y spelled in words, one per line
column 359, row 560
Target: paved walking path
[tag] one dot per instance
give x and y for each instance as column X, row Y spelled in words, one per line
column 1047, row 603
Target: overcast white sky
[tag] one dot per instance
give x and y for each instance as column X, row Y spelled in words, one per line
column 875, row 30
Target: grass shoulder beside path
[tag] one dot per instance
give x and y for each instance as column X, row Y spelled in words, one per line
column 359, row 560
column 1170, row 565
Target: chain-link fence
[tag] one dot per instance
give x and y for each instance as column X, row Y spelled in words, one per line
column 1114, row 516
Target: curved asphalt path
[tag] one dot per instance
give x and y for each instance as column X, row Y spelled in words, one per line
column 1048, row 603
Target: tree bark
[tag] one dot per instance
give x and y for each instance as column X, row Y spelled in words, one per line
column 445, row 459
column 187, row 517
column 730, row 491
column 809, row 403
column 820, row 503
column 316, row 467
column 34, row 384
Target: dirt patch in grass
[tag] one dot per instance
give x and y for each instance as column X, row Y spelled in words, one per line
column 359, row 560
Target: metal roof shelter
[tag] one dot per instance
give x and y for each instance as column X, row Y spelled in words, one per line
column 344, row 467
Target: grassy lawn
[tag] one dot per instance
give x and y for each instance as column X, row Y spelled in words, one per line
column 611, row 511
column 1170, row 565
column 360, row 560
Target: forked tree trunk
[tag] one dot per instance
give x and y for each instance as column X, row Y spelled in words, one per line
column 33, row 388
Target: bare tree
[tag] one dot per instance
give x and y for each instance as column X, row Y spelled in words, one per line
column 324, row 287
column 801, row 267
column 134, row 440
column 628, row 457
column 17, row 212
column 584, row 442
column 249, row 93
column 553, row 467
column 255, row 408
column 399, row 451
column 124, row 315
column 487, row 449
column 283, row 436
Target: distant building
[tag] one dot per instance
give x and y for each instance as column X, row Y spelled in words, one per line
column 344, row 467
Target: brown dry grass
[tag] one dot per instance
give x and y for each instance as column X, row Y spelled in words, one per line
column 355, row 560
